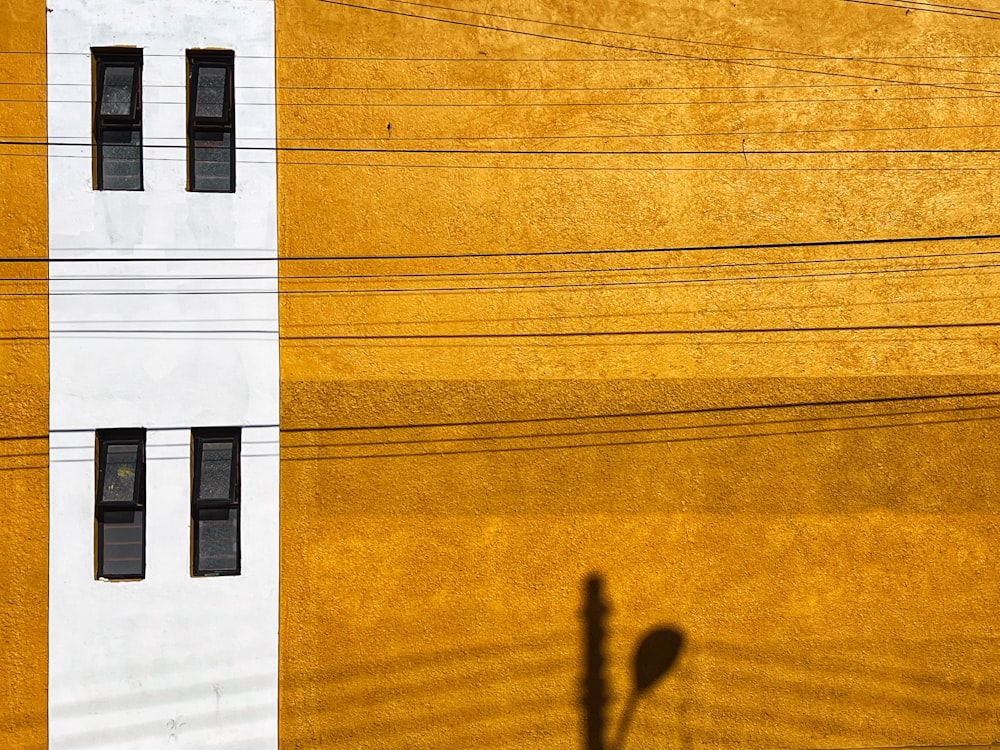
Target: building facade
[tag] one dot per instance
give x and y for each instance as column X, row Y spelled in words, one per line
column 348, row 344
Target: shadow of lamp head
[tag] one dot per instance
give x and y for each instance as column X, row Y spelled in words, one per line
column 655, row 656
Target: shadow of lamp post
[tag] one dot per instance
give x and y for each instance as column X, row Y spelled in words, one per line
column 653, row 659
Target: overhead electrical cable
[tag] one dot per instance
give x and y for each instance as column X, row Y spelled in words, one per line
column 473, row 335
column 975, row 95
column 527, row 272
column 520, row 288
column 608, row 45
column 942, row 9
column 555, row 168
column 527, row 152
column 173, row 258
column 451, row 89
column 550, row 136
column 656, row 37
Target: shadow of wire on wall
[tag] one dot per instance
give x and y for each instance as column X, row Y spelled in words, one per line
column 655, row 655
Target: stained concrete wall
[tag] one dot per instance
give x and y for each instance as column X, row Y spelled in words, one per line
column 815, row 509
column 23, row 378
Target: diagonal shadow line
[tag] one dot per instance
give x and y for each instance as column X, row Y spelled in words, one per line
column 861, row 664
column 43, row 467
column 813, row 694
column 449, row 717
column 373, row 697
column 632, row 443
column 478, row 732
column 633, row 430
column 499, row 650
column 707, row 717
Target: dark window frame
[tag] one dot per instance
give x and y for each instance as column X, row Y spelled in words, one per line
column 104, row 510
column 104, row 125
column 202, row 508
column 201, row 128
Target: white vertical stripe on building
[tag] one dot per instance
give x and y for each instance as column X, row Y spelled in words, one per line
column 171, row 660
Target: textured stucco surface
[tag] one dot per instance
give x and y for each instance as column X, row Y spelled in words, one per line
column 23, row 380
column 815, row 510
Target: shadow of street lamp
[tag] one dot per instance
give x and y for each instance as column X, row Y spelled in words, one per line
column 653, row 659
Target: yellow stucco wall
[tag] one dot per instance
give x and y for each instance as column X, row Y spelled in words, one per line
column 816, row 511
column 24, row 421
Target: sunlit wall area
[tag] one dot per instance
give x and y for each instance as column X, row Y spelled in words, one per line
column 700, row 300
column 23, row 377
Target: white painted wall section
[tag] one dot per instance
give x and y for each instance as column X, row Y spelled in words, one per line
column 163, row 314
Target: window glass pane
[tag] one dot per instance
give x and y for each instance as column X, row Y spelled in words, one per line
column 116, row 98
column 120, row 473
column 210, row 97
column 217, row 540
column 216, row 470
column 120, row 537
column 121, row 160
column 213, row 161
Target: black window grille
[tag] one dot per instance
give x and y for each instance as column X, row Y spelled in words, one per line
column 211, row 121
column 118, row 118
column 215, row 502
column 120, row 508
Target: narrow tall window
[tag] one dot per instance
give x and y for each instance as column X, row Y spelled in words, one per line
column 215, row 502
column 121, row 504
column 118, row 118
column 211, row 121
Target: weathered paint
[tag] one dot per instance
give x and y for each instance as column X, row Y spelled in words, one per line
column 832, row 564
column 171, row 660
column 23, row 379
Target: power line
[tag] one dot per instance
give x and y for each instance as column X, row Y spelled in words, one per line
column 650, row 332
column 679, row 40
column 785, row 56
column 609, row 45
column 942, row 9
column 733, row 87
column 544, row 167
column 513, row 254
column 619, row 443
column 529, row 272
column 558, row 421
column 975, row 96
column 478, row 335
column 658, row 413
column 524, row 152
column 591, row 136
column 662, row 428
column 520, row 288
column 496, row 254
column 950, row 7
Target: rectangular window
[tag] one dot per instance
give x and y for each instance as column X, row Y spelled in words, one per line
column 215, row 502
column 118, row 118
column 211, row 121
column 120, row 507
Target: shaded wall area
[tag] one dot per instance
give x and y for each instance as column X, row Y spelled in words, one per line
column 831, row 565
column 777, row 447
column 23, row 379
